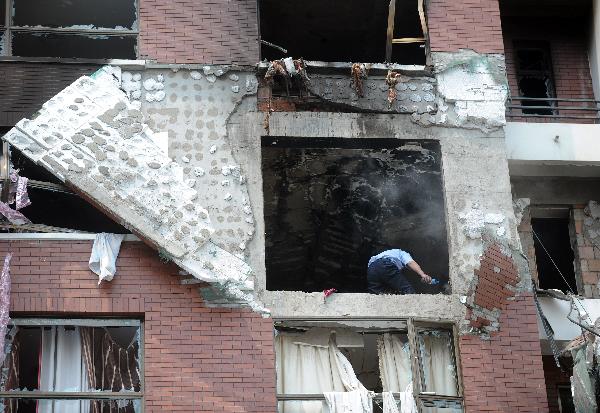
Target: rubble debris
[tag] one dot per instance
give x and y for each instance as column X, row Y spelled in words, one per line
column 103, row 260
column 4, row 302
column 281, row 49
column 327, row 293
column 22, row 197
column 359, row 72
column 14, row 217
column 287, row 68
column 391, row 80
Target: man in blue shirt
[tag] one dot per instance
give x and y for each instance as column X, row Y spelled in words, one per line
column 385, row 272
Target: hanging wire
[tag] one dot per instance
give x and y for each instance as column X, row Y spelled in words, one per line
column 552, row 260
column 573, row 294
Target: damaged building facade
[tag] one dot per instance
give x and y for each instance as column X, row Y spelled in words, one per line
column 191, row 196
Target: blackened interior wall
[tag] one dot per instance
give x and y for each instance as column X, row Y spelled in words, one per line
column 330, row 204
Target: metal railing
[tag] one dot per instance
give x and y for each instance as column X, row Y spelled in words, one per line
column 553, row 108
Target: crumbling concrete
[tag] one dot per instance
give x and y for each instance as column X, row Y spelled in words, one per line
column 210, row 119
column 474, row 170
column 414, row 94
column 95, row 140
column 465, row 89
column 474, row 85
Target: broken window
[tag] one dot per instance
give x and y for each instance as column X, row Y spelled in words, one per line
column 332, row 204
column 66, row 365
column 553, row 253
column 314, row 360
column 535, row 78
column 344, row 30
column 91, row 29
column 53, row 207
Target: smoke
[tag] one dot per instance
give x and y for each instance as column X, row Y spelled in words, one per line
column 327, row 210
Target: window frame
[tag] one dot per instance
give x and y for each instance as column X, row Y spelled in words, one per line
column 546, row 49
column 89, row 395
column 7, row 27
column 411, row 327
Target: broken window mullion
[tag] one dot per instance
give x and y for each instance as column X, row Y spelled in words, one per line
column 7, row 49
column 33, row 394
column 414, row 360
column 68, row 30
column 390, row 31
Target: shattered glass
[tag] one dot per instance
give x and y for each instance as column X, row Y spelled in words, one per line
column 441, row 406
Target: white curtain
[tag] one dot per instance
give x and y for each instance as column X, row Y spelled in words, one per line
column 313, row 369
column 304, row 368
column 396, row 372
column 437, row 356
column 62, row 370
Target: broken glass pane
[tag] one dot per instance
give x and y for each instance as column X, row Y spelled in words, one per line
column 80, row 14
column 27, row 44
column 437, row 362
column 441, row 406
column 39, row 405
column 72, row 359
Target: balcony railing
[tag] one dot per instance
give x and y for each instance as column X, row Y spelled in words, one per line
column 558, row 109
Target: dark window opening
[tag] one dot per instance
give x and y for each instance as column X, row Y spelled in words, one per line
column 331, row 204
column 51, row 206
column 84, row 358
column 555, row 243
column 340, row 30
column 88, row 29
column 86, row 46
column 535, row 78
column 106, row 14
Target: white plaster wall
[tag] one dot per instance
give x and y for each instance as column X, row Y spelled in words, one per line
column 576, row 143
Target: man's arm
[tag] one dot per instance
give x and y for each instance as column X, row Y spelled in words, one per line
column 417, row 268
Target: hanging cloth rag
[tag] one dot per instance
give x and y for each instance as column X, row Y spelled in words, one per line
column 4, row 303
column 14, row 217
column 407, row 401
column 22, row 196
column 104, row 255
column 389, row 403
column 347, row 401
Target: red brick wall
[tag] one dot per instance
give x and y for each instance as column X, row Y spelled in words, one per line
column 188, row 31
column 554, row 378
column 505, row 373
column 465, row 24
column 197, row 359
column 568, row 50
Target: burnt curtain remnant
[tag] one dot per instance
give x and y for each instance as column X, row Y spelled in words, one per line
column 330, row 204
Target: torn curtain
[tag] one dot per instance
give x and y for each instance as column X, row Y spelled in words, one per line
column 313, row 369
column 396, row 372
